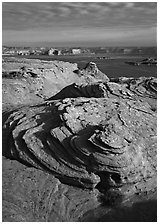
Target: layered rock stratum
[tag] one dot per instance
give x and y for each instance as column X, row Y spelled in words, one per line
column 87, row 141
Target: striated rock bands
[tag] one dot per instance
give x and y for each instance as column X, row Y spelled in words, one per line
column 89, row 141
column 91, row 136
column 142, row 88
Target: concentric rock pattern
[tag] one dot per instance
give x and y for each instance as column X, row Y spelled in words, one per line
column 104, row 138
column 64, row 155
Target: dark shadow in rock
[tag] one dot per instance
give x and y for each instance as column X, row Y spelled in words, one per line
column 34, row 75
column 111, row 198
column 71, row 91
column 139, row 212
column 77, row 71
column 5, row 135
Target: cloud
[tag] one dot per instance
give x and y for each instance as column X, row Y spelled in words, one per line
column 107, row 13
column 44, row 19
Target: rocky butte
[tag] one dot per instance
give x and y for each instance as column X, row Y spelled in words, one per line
column 77, row 146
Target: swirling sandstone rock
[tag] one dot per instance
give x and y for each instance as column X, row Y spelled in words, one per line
column 143, row 86
column 143, row 89
column 93, row 136
column 85, row 142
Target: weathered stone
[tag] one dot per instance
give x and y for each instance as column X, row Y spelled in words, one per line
column 91, row 71
column 75, row 90
column 83, row 140
column 143, row 89
column 28, row 82
column 30, row 194
column 92, row 139
column 35, row 80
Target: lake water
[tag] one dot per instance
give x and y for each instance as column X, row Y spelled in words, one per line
column 113, row 67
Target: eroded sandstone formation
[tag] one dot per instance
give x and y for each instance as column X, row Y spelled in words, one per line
column 89, row 139
column 81, row 140
column 28, row 81
column 91, row 73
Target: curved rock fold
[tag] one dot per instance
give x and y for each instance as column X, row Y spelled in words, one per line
column 97, row 137
column 79, row 138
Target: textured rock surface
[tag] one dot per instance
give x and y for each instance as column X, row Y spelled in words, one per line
column 34, row 80
column 91, row 73
column 33, row 195
column 87, row 141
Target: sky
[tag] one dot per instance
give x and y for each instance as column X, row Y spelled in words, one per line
column 79, row 23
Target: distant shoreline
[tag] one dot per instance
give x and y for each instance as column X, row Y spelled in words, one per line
column 115, row 66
